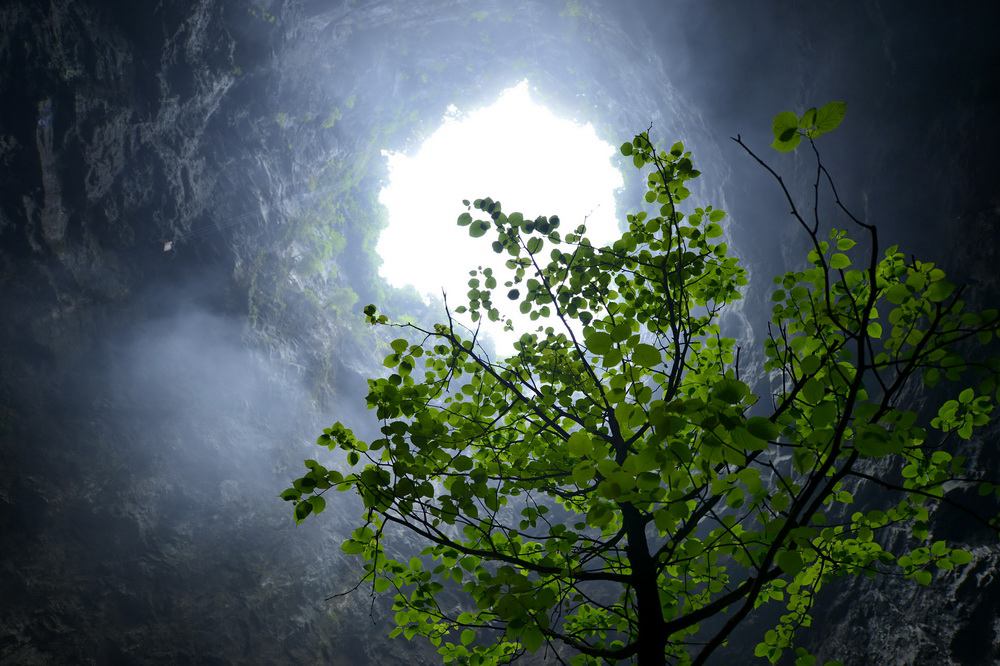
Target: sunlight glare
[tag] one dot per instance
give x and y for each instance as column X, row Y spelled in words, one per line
column 515, row 151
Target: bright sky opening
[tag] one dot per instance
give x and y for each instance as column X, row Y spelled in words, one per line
column 515, row 151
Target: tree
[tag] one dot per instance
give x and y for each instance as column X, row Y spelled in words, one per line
column 616, row 482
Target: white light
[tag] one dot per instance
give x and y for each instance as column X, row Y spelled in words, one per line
column 518, row 153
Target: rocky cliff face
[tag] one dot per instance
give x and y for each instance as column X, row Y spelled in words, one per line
column 146, row 426
column 187, row 222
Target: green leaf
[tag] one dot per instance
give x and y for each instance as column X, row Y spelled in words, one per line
column 743, row 439
column 580, row 444
column 939, row 291
column 897, row 293
column 875, row 441
column 646, row 355
column 762, row 428
column 626, row 149
column 784, row 126
column 829, row 116
column 845, row 244
column 464, row 220
column 810, row 364
column 621, row 332
column 729, row 390
column 803, row 658
column 598, row 342
column 352, row 547
column 787, row 146
column 647, row 480
column 479, row 228
column 808, row 119
column 960, row 557
column 599, row 516
column 534, row 245
column 824, row 415
column 302, row 509
column 468, row 637
column 318, row 504
column 790, row 562
column 813, row 390
column 583, row 473
column 532, row 639
column 839, row 261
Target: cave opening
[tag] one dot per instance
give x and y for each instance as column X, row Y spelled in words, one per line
column 516, row 151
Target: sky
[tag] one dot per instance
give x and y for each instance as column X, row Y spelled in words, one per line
column 513, row 150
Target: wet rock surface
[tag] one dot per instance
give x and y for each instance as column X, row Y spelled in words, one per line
column 187, row 222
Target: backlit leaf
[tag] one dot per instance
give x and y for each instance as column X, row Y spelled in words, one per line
column 829, row 116
column 646, row 355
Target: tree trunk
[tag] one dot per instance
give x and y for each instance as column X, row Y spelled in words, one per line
column 651, row 636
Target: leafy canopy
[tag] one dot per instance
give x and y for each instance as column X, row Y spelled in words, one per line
column 616, row 482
